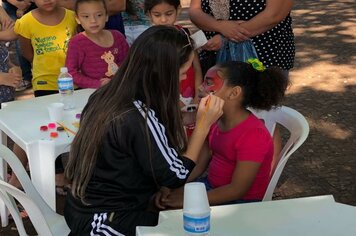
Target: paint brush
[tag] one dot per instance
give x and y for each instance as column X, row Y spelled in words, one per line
column 67, row 129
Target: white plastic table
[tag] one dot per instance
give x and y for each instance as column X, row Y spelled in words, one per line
column 312, row 216
column 21, row 121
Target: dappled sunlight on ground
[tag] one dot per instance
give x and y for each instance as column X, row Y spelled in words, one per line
column 322, row 76
column 330, row 129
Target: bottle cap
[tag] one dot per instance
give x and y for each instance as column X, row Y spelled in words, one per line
column 44, row 128
column 52, row 125
column 54, row 134
column 64, row 69
column 60, row 128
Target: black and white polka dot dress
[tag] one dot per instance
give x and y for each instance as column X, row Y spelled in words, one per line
column 275, row 47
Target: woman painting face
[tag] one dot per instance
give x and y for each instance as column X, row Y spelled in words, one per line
column 213, row 81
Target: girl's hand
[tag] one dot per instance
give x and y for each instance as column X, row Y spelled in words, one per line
column 15, row 70
column 213, row 44
column 104, row 81
column 20, row 13
column 10, row 79
column 7, row 25
column 209, row 110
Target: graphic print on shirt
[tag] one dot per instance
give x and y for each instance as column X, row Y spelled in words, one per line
column 45, row 45
column 186, row 96
column 66, row 41
column 109, row 58
column 48, row 44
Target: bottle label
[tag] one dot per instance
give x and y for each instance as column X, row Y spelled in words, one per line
column 196, row 225
column 65, row 84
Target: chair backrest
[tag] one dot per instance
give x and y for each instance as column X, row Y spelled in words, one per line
column 11, row 205
column 298, row 127
column 44, row 219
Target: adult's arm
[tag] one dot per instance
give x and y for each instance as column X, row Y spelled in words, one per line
column 208, row 23
column 68, row 4
column 272, row 15
column 202, row 163
column 115, row 6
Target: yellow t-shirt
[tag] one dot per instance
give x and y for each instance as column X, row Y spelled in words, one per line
column 49, row 44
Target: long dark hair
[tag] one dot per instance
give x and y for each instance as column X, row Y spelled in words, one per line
column 150, row 73
column 261, row 89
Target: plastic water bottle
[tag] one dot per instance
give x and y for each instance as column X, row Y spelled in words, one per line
column 66, row 89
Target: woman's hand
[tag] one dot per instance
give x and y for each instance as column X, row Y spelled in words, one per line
column 232, row 30
column 160, row 197
column 174, row 199
column 213, row 44
column 209, row 110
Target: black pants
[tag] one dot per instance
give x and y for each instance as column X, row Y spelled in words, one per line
column 110, row 223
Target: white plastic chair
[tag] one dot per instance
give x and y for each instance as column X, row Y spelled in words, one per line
column 46, row 221
column 298, row 127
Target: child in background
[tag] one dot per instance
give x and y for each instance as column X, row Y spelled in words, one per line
column 135, row 20
column 16, row 9
column 94, row 55
column 239, row 148
column 165, row 12
column 44, row 34
column 11, row 77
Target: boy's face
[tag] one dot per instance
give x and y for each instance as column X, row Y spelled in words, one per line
column 92, row 16
column 163, row 14
column 46, row 5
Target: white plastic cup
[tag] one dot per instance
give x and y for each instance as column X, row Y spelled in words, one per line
column 55, row 111
column 196, row 209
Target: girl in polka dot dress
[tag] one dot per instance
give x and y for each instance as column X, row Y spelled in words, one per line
column 266, row 22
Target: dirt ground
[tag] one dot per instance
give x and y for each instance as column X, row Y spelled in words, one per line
column 324, row 91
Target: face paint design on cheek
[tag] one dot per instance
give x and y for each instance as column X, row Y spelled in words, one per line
column 212, row 81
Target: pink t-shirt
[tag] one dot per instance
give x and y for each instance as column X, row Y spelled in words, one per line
column 88, row 62
column 249, row 141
